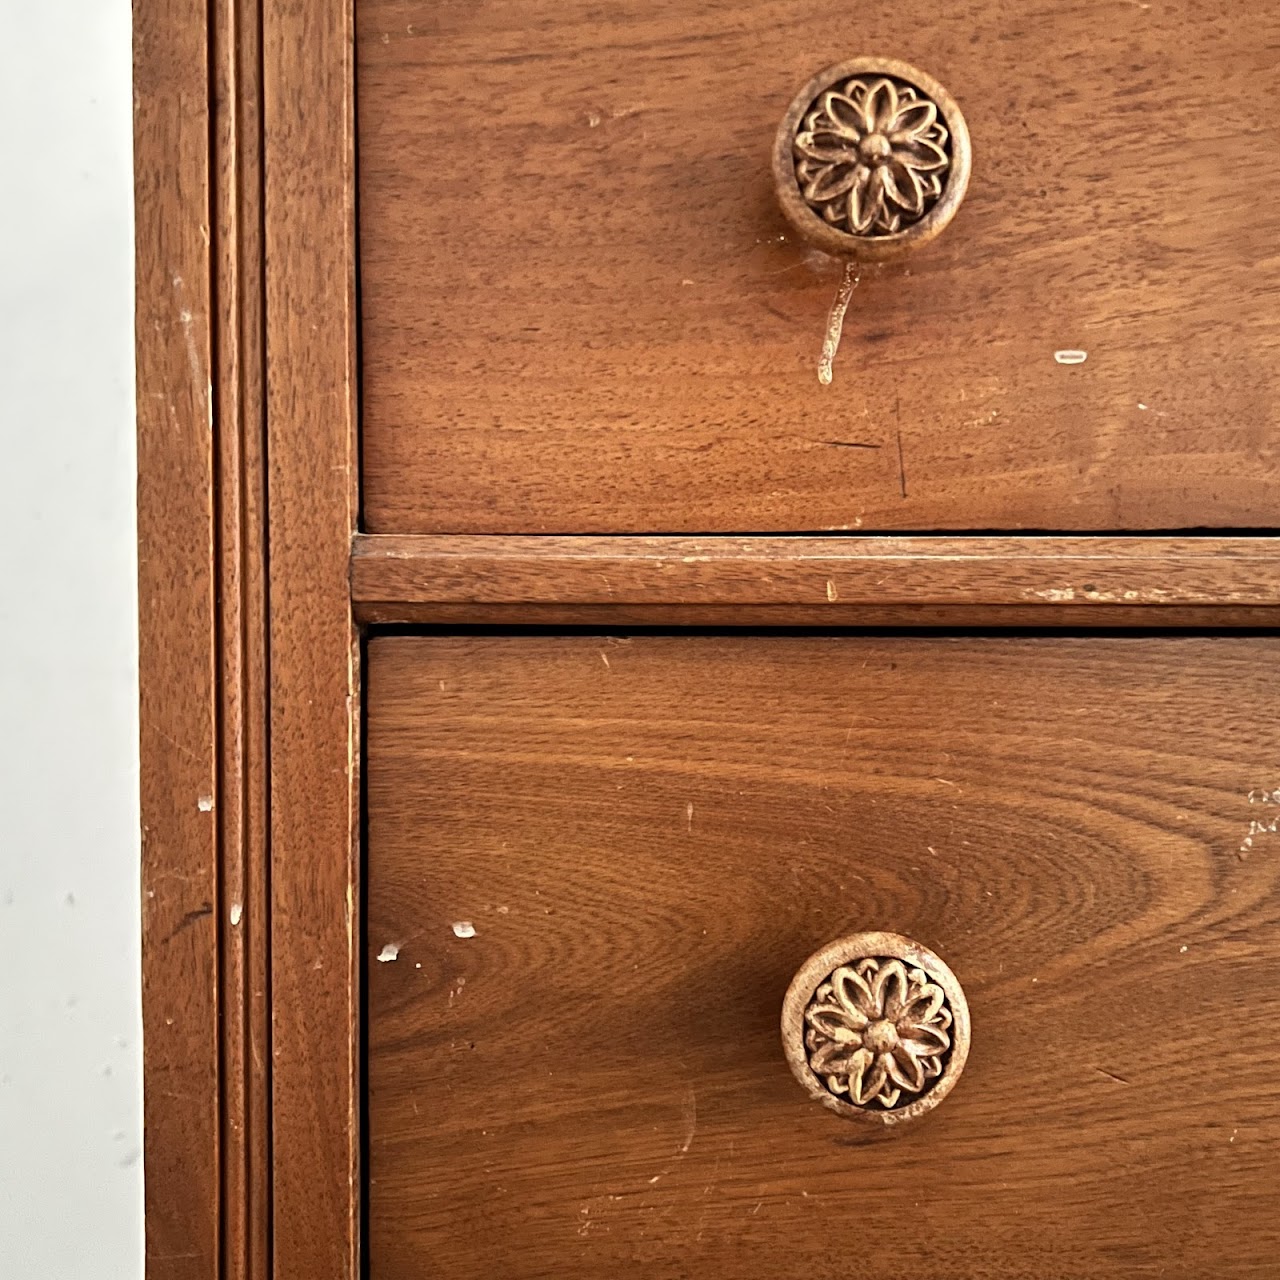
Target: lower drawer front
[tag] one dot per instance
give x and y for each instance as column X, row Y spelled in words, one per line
column 595, row 864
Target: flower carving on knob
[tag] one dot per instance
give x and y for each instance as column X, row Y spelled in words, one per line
column 877, row 1030
column 872, row 155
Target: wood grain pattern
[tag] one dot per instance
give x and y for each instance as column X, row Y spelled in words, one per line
column 583, row 312
column 242, row 654
column 817, row 581
column 311, row 418
column 649, row 835
column 202, row 549
column 177, row 572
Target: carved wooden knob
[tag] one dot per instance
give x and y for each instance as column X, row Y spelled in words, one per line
column 872, row 159
column 876, row 1028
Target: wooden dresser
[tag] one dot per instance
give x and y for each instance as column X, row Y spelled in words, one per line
column 638, row 782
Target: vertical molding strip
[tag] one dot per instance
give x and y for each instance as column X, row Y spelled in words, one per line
column 243, row 919
column 180, row 768
column 310, row 247
column 203, row 641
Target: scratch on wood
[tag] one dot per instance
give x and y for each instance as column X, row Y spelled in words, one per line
column 1111, row 1075
column 173, row 742
column 689, row 1114
column 200, row 382
column 902, row 464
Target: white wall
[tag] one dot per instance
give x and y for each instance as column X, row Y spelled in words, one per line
column 70, row 1033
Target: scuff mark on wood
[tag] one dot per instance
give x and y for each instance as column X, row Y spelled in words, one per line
column 189, row 919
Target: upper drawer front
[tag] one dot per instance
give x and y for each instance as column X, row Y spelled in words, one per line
column 583, row 310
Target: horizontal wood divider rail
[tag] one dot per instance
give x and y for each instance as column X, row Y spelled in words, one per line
column 807, row 581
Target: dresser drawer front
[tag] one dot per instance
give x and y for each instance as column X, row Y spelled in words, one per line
column 595, row 864
column 584, row 312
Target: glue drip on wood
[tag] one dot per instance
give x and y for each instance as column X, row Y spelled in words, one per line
column 835, row 322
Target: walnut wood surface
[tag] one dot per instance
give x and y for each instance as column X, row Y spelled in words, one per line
column 583, row 311
column 237, row 263
column 648, row 836
column 202, row 539
column 311, row 416
column 249, row 673
column 817, row 581
column 179, row 693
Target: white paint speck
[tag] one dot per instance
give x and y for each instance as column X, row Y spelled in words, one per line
column 593, row 119
column 205, row 804
column 1070, row 356
column 463, row 929
column 835, row 321
column 1141, row 406
column 389, row 953
column 236, row 913
column 1182, row 950
column 1257, row 828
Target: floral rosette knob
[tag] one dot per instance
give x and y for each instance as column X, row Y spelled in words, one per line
column 876, row 1027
